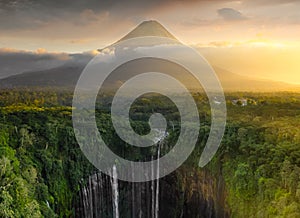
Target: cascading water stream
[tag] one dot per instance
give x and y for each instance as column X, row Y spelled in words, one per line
column 155, row 198
column 157, row 182
column 105, row 196
column 152, row 189
column 115, row 191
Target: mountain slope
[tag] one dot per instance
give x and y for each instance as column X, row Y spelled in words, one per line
column 148, row 28
column 64, row 76
column 235, row 82
column 68, row 74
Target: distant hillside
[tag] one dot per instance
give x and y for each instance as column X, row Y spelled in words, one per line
column 64, row 76
column 235, row 82
column 67, row 75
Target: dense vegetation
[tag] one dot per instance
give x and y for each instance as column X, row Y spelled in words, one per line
column 42, row 165
column 261, row 157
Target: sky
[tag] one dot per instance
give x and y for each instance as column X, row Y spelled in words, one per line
column 262, row 35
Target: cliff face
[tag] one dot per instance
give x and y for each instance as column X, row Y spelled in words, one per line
column 184, row 193
column 204, row 195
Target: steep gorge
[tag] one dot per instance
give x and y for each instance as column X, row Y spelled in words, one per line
column 184, row 193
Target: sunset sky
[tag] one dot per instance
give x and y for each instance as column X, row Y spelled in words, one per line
column 256, row 37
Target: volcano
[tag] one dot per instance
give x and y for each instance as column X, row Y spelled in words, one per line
column 67, row 75
column 148, row 28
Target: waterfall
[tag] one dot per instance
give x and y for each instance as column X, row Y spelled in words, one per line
column 115, row 192
column 152, row 189
column 47, row 203
column 155, row 187
column 132, row 194
column 105, row 196
column 90, row 193
column 157, row 182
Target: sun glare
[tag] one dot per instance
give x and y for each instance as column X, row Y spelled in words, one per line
column 265, row 43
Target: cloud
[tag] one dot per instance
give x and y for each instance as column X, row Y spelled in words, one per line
column 40, row 53
column 14, row 61
column 79, row 41
column 75, row 25
column 32, row 14
column 197, row 22
column 231, row 14
column 268, row 2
